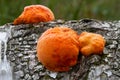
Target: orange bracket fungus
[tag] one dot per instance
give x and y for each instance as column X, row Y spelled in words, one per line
column 34, row 14
column 58, row 48
column 91, row 43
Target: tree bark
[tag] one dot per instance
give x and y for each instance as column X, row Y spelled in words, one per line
column 21, row 51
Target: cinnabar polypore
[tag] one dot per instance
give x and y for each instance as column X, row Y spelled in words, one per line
column 34, row 14
column 58, row 48
column 91, row 43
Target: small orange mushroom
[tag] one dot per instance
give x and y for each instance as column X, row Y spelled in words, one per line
column 91, row 43
column 34, row 14
column 58, row 48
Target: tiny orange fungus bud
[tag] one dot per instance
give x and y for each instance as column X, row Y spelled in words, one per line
column 91, row 43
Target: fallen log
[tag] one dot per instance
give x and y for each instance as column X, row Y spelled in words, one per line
column 21, row 51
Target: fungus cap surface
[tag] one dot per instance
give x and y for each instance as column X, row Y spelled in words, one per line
column 58, row 48
column 34, row 14
column 91, row 43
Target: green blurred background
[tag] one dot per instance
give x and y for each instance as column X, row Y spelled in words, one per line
column 64, row 9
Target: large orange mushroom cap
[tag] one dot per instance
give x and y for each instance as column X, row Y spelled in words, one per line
column 58, row 48
column 34, row 14
column 91, row 43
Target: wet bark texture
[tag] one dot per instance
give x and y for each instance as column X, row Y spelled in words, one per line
column 21, row 52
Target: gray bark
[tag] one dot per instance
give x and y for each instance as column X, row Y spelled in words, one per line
column 21, row 51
